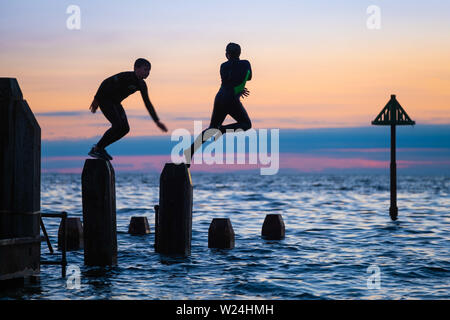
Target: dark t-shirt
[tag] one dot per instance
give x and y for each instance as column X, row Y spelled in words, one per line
column 119, row 86
column 234, row 74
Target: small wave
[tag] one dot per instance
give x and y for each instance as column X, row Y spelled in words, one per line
column 308, row 296
column 435, row 271
column 133, row 210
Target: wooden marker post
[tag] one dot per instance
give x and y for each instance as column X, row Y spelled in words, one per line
column 393, row 115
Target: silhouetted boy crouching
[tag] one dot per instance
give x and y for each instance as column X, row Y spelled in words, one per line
column 109, row 96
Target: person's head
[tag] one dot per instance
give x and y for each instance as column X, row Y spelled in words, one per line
column 142, row 68
column 233, row 51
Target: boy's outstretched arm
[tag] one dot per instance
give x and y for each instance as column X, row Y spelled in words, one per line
column 149, row 106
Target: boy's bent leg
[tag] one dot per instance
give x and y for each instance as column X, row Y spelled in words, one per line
column 238, row 112
column 202, row 138
column 119, row 124
column 218, row 116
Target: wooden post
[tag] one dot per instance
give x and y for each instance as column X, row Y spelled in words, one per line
column 74, row 234
column 156, row 207
column 221, row 234
column 174, row 217
column 44, row 231
column 99, row 213
column 273, row 227
column 138, row 226
column 20, row 182
column 64, row 244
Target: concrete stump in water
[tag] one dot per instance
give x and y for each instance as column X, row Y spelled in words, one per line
column 138, row 226
column 74, row 234
column 221, row 234
column 273, row 227
column 99, row 213
column 174, row 217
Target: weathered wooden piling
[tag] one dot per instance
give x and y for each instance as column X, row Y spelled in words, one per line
column 99, row 213
column 156, row 225
column 174, row 217
column 221, row 234
column 273, row 227
column 74, row 234
column 20, row 181
column 138, row 226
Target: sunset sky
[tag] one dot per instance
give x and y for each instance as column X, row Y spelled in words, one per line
column 315, row 64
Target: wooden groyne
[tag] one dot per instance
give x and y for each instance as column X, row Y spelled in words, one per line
column 20, row 183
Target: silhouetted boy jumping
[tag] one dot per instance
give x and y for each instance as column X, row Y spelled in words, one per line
column 109, row 97
column 234, row 74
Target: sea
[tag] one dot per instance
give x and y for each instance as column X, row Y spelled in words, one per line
column 340, row 242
